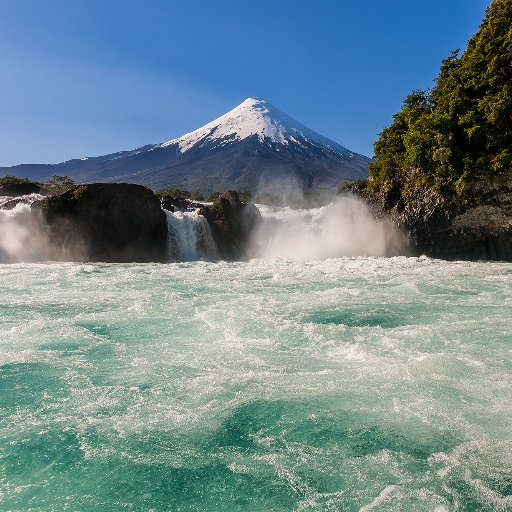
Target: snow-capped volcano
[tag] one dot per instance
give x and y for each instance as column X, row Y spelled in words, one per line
column 253, row 117
column 252, row 144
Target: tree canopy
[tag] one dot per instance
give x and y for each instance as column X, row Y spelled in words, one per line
column 461, row 129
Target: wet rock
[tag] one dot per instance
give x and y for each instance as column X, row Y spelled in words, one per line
column 476, row 228
column 232, row 223
column 105, row 222
column 20, row 189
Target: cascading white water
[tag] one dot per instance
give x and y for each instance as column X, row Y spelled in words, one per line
column 7, row 202
column 189, row 236
column 344, row 227
column 21, row 238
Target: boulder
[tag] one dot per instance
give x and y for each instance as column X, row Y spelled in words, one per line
column 112, row 222
column 232, row 223
column 477, row 228
column 15, row 189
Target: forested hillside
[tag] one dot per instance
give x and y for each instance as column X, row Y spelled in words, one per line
column 445, row 138
column 443, row 169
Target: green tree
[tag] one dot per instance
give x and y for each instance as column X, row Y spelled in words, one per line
column 59, row 183
column 460, row 130
column 7, row 179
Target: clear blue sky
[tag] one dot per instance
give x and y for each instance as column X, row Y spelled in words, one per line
column 90, row 77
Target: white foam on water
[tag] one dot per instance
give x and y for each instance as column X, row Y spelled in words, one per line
column 383, row 496
column 304, row 352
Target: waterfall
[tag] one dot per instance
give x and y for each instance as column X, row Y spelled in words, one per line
column 189, row 236
column 10, row 203
column 345, row 227
column 21, row 237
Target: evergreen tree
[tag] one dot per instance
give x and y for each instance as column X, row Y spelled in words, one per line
column 459, row 130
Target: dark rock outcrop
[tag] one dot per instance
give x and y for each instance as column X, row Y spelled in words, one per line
column 105, row 222
column 232, row 223
column 475, row 226
column 20, row 189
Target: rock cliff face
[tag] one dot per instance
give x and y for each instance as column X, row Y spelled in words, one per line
column 477, row 226
column 479, row 229
column 232, row 222
column 105, row 222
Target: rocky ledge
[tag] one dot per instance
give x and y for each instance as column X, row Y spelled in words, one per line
column 118, row 222
column 105, row 222
column 475, row 226
column 14, row 193
column 232, row 223
column 16, row 189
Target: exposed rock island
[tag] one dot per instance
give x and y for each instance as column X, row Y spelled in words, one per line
column 115, row 222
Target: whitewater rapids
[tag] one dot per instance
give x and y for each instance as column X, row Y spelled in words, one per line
column 347, row 384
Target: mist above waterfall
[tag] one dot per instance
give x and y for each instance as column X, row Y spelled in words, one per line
column 288, row 190
column 345, row 227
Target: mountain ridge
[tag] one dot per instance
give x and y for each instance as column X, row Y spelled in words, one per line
column 255, row 116
column 252, row 145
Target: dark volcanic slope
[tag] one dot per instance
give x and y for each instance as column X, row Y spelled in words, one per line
column 250, row 146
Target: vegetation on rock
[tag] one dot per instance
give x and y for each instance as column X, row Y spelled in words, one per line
column 443, row 169
column 59, row 184
column 8, row 179
column 13, row 186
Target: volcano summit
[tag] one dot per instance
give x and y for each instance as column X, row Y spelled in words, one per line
column 253, row 144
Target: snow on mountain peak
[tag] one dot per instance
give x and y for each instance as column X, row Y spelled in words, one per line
column 254, row 116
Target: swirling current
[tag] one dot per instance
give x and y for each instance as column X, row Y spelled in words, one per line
column 348, row 384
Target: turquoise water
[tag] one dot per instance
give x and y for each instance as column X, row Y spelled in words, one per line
column 342, row 385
